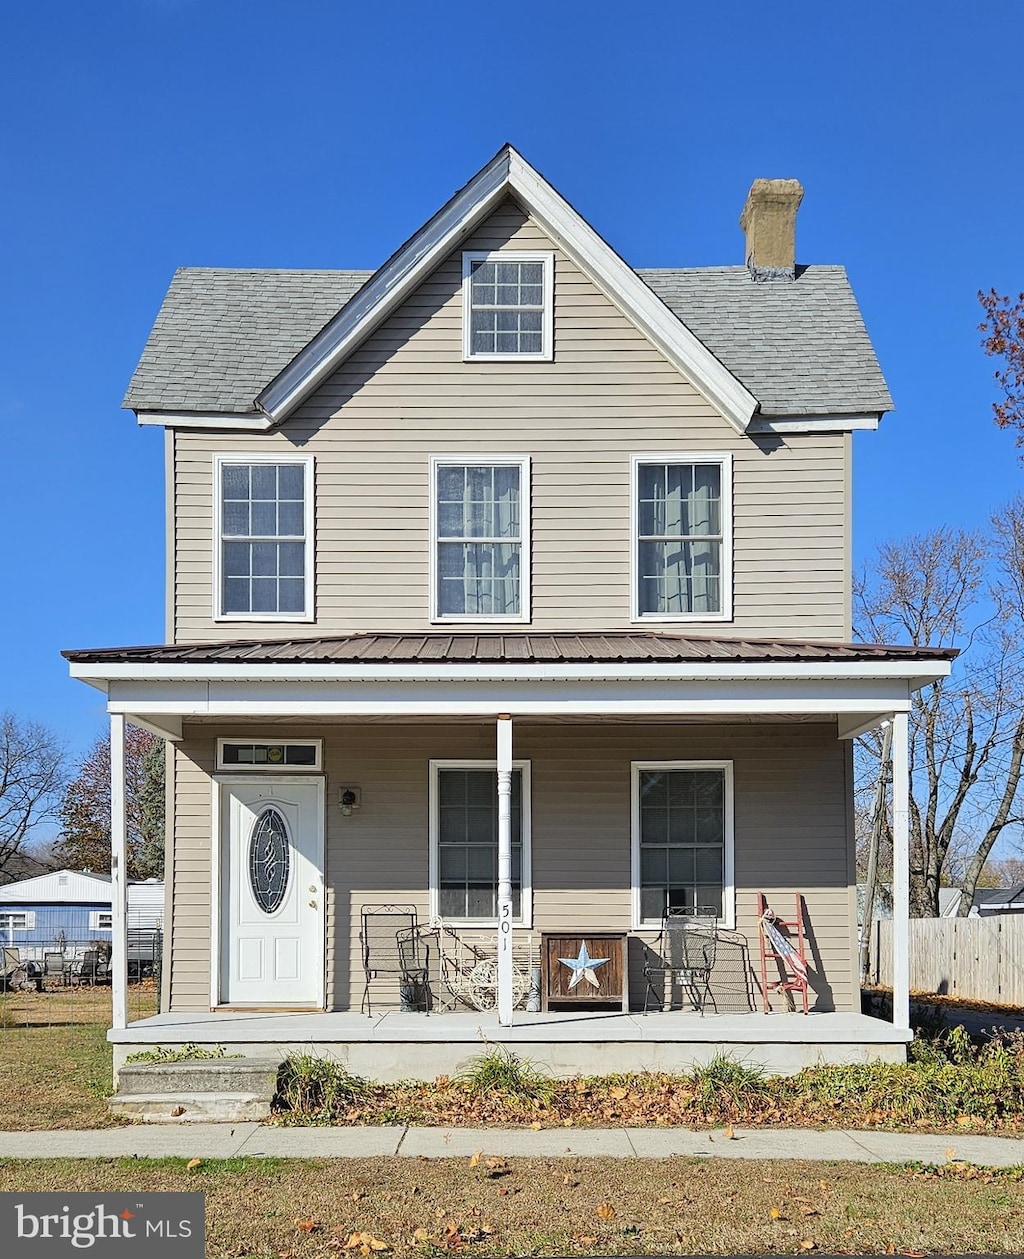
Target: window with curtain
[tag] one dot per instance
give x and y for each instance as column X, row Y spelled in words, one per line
column 480, row 531
column 682, row 839
column 264, row 558
column 467, row 843
column 681, row 533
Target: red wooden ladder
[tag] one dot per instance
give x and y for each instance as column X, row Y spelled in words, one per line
column 793, row 930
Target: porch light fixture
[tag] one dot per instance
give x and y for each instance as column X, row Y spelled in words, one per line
column 349, row 800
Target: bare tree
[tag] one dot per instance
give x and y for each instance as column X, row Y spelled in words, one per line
column 32, row 774
column 967, row 731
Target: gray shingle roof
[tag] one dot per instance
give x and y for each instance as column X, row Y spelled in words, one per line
column 800, row 348
column 523, row 648
column 222, row 334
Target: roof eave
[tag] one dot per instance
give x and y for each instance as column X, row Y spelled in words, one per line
column 245, row 421
column 507, row 172
column 834, row 423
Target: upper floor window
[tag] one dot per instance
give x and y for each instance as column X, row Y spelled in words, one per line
column 682, row 552
column 263, row 538
column 507, row 305
column 481, row 553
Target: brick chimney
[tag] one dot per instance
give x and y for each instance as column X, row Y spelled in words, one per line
column 769, row 221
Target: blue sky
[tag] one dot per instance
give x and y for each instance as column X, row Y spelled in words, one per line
column 140, row 135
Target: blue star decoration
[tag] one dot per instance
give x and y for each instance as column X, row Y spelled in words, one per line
column 583, row 967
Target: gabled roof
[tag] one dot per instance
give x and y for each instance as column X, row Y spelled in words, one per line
column 246, row 347
column 801, row 348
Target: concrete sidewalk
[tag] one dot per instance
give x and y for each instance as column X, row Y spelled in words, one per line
column 259, row 1141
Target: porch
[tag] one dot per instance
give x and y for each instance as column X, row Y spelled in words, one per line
column 393, row 1045
column 597, row 719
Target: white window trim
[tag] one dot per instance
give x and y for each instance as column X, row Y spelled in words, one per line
column 547, row 323
column 434, row 873
column 28, row 915
column 95, row 916
column 244, row 456
column 725, row 462
column 522, row 462
column 315, row 768
column 728, row 919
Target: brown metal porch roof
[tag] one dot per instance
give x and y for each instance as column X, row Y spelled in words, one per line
column 441, row 647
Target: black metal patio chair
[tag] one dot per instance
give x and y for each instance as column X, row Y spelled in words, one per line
column 684, row 954
column 393, row 944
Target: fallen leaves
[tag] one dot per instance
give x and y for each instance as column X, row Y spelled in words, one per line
column 306, row 1225
column 193, row 1163
column 606, row 1211
column 364, row 1243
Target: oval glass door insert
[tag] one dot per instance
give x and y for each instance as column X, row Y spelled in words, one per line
column 269, row 860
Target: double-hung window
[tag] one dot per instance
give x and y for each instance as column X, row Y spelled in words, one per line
column 682, row 547
column 481, row 550
column 264, row 538
column 682, row 838
column 464, row 842
column 506, row 305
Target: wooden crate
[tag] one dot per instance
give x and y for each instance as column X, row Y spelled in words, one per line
column 608, row 948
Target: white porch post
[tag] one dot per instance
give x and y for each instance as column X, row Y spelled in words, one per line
column 504, row 870
column 118, row 875
column 900, row 871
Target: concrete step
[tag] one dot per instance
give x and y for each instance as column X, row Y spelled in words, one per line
column 183, row 1107
column 198, row 1090
column 200, row 1075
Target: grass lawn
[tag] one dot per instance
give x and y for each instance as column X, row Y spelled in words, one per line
column 273, row 1208
column 55, row 1063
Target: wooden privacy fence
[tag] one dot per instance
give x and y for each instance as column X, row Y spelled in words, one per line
column 981, row 959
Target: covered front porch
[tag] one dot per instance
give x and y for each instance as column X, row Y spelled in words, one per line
column 393, row 1046
column 584, row 716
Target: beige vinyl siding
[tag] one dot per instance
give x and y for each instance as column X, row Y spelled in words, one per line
column 406, row 394
column 791, row 834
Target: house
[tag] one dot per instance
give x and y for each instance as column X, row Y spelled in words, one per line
column 512, row 584
column 70, row 910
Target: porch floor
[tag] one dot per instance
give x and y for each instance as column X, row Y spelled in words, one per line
column 392, row 1045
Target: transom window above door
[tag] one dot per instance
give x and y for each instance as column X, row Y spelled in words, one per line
column 480, row 513
column 263, row 558
column 507, row 305
column 682, row 538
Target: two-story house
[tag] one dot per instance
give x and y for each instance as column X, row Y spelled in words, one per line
column 513, row 585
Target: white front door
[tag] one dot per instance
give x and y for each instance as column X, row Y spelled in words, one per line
column 272, row 892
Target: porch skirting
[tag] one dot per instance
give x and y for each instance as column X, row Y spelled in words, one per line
column 396, row 1046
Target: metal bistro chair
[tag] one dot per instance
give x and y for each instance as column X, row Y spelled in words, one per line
column 392, row 944
column 683, row 953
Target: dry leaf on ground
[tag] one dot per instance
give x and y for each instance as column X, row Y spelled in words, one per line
column 606, row 1211
column 193, row 1163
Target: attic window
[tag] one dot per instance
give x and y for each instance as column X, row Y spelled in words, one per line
column 507, row 305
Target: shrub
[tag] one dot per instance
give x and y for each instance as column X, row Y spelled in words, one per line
column 317, row 1089
column 498, row 1070
column 725, row 1083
